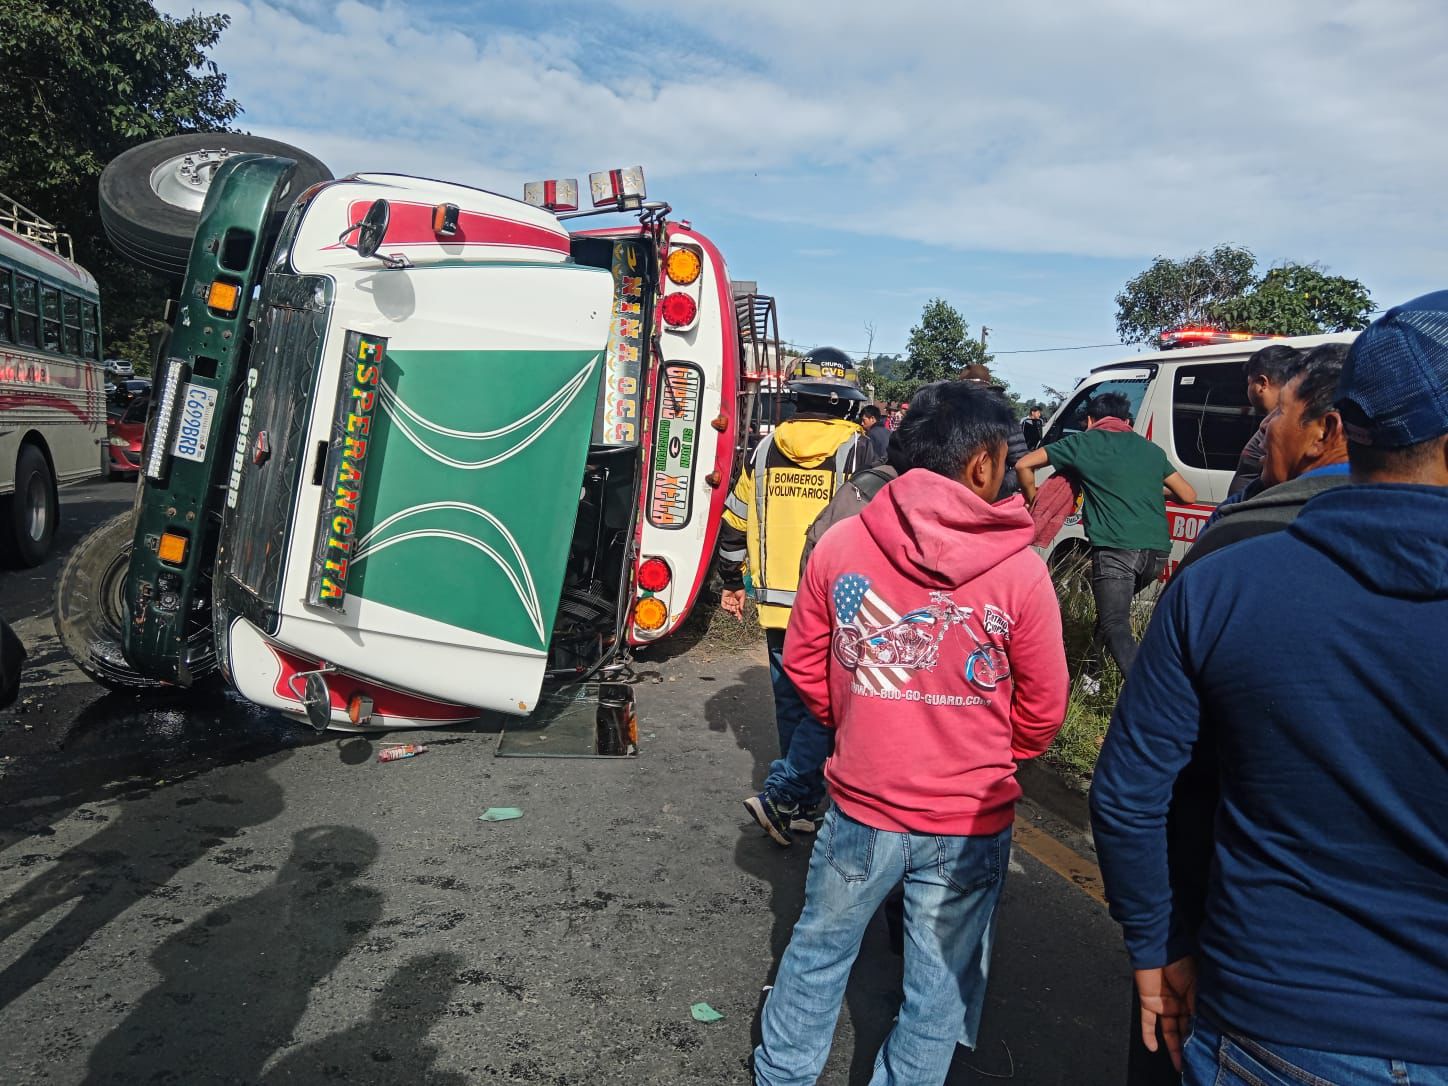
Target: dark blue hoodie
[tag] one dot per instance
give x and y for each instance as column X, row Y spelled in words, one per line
column 1313, row 664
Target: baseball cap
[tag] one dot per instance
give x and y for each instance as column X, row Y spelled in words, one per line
column 1394, row 385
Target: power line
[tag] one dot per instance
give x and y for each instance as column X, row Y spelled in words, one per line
column 1029, row 350
column 1048, row 350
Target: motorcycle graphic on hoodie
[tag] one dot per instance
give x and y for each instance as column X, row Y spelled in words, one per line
column 867, row 636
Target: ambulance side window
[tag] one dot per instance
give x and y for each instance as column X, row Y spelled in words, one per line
column 1211, row 417
column 1073, row 419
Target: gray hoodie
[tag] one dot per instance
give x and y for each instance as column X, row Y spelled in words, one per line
column 1270, row 511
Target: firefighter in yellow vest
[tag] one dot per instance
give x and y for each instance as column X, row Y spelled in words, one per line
column 788, row 480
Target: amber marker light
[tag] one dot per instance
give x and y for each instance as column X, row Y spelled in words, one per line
column 172, row 548
column 650, row 614
column 683, row 266
column 223, row 298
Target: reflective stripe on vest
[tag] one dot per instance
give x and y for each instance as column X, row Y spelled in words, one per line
column 778, row 597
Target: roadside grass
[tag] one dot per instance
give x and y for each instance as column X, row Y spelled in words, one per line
column 721, row 630
column 1088, row 715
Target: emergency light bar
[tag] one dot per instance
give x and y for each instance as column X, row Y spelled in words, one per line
column 619, row 189
column 1201, row 336
column 554, row 196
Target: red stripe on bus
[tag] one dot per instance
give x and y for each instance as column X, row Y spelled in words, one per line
column 411, row 224
column 13, row 400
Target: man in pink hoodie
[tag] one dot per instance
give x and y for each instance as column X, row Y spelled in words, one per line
column 926, row 633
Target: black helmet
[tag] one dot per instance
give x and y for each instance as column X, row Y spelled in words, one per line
column 823, row 379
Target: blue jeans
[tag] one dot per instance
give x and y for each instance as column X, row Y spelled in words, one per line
column 952, row 888
column 1215, row 1057
column 796, row 776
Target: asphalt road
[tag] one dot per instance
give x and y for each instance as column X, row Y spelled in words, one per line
column 194, row 891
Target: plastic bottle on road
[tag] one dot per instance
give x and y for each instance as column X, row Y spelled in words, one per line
column 406, row 750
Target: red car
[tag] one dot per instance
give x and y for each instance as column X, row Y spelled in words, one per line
column 124, row 434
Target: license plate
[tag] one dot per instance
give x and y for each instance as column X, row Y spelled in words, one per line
column 193, row 428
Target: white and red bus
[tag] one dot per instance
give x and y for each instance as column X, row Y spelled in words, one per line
column 52, row 392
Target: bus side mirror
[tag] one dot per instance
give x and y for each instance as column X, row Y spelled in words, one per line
column 318, row 698
column 370, row 229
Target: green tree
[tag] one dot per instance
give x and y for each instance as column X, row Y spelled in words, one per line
column 80, row 82
column 1172, row 293
column 1222, row 289
column 1298, row 300
column 940, row 346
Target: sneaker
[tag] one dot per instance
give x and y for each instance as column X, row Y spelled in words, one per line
column 774, row 818
column 1090, row 685
column 808, row 820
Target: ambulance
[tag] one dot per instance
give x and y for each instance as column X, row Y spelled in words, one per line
column 1190, row 398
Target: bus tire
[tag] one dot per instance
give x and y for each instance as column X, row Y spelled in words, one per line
column 29, row 516
column 142, row 218
column 89, row 605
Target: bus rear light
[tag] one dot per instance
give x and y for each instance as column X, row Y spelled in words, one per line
column 654, row 575
column 683, row 266
column 559, row 195
column 650, row 614
column 224, row 298
column 678, row 309
column 622, row 190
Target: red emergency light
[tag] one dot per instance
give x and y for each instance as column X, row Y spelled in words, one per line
column 1198, row 335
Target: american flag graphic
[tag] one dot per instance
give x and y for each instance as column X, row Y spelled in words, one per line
column 856, row 605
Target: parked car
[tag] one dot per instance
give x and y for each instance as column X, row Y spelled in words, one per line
column 1193, row 403
column 125, row 434
column 118, row 368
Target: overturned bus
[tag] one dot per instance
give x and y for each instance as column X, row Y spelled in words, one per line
column 417, row 451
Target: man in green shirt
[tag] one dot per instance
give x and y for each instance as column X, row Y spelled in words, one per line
column 1124, row 480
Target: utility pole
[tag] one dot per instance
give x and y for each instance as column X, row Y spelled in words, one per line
column 983, row 331
column 869, row 361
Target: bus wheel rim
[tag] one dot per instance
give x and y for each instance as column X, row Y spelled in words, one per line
column 37, row 509
column 182, row 180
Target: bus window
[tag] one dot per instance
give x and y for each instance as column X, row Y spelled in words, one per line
column 70, row 320
column 89, row 327
column 7, row 333
column 50, row 319
column 27, row 321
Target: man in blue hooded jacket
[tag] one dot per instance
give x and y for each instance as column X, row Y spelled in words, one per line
column 1322, row 951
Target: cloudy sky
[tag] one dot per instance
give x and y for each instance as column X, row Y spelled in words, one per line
column 858, row 158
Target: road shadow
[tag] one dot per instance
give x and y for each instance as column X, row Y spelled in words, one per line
column 746, row 711
column 235, row 984
column 119, row 744
column 391, row 1044
column 134, row 857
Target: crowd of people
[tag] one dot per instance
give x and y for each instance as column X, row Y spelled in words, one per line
column 1269, row 807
